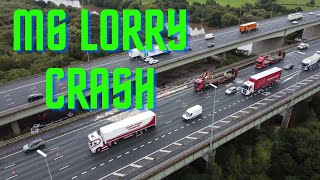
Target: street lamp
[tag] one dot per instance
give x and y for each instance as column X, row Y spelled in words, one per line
column 45, row 157
column 201, row 21
column 214, row 107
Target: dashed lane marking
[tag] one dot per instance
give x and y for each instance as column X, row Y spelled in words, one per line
column 176, row 130
column 168, row 122
column 178, row 144
column 9, row 166
column 110, row 160
column 63, row 167
column 102, row 164
column 188, row 137
column 188, row 125
column 54, row 149
column 269, row 99
column 261, row 103
column 156, row 139
column 202, row 132
column 244, row 112
column 235, row 116
column 165, row 151
column 58, row 157
column 253, row 107
column 163, row 136
column 118, row 174
column 149, row 142
column 93, row 168
column 169, row 132
column 142, row 145
column 12, row 177
column 74, row 177
column 149, row 158
column 84, row 172
column 127, row 152
column 135, row 165
column 224, row 121
column 134, row 149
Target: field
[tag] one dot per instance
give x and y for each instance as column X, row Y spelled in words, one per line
column 238, row 3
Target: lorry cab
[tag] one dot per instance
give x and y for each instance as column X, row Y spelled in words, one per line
column 209, row 36
column 247, row 88
column 95, row 142
column 192, row 113
column 198, row 84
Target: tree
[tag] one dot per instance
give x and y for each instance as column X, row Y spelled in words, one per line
column 229, row 19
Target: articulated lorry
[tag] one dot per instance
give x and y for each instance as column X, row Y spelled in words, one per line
column 264, row 61
column 311, row 62
column 261, row 80
column 135, row 53
column 110, row 134
column 208, row 78
column 249, row 26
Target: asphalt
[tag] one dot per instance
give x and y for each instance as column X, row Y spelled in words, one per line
column 69, row 155
column 14, row 95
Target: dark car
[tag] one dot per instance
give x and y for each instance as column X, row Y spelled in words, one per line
column 289, row 66
column 210, row 45
column 36, row 144
column 188, row 48
column 34, row 97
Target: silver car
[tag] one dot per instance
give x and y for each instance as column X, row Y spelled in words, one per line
column 231, row 90
column 34, row 145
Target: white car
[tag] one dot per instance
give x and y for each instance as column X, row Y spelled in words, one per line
column 209, row 36
column 311, row 13
column 153, row 61
column 231, row 90
column 303, row 46
column 148, row 59
column 294, row 22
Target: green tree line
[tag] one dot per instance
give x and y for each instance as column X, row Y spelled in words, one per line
column 17, row 65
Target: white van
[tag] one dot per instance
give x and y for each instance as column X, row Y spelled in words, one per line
column 192, row 112
column 209, row 36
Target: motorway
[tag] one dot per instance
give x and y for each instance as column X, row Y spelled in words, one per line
column 69, row 156
column 14, row 95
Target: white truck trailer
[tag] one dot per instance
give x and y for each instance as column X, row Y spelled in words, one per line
column 135, row 53
column 311, row 62
column 295, row 16
column 110, row 134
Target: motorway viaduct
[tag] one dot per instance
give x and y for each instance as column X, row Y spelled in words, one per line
column 199, row 141
column 270, row 31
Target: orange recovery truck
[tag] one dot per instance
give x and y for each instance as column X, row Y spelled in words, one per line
column 249, row 26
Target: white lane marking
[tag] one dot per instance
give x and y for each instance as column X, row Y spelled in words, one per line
column 149, row 142
column 136, row 166
column 9, row 166
column 163, row 136
column 11, row 154
column 11, row 103
column 165, row 151
column 127, row 152
column 63, row 167
column 142, row 145
column 118, row 174
column 74, row 177
column 252, row 107
column 269, row 99
column 215, row 126
column 119, row 156
column 58, row 157
column 169, row 133
column 224, row 121
column 102, row 164
column 193, row 122
column 12, row 177
column 93, row 168
column 244, row 112
column 54, row 149
column 110, row 160
column 149, row 158
column 261, row 103
column 84, row 172
column 178, row 100
column 301, row 52
column 182, row 127
column 168, row 122
column 134, row 149
column 156, row 139
column 178, row 144
column 188, row 137
column 188, row 125
column 176, row 130
column 105, row 149
column 276, row 96
column 235, row 116
column 203, row 132
column 8, row 99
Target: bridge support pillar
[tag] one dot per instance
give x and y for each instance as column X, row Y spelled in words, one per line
column 209, row 158
column 267, row 45
column 15, row 127
column 286, row 118
column 311, row 32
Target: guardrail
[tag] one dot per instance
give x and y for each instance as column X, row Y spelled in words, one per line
column 223, row 134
